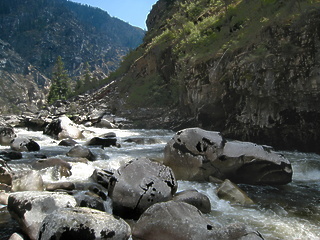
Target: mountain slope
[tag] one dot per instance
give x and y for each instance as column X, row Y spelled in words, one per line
column 244, row 67
column 41, row 30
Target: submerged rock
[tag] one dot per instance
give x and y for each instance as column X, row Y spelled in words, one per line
column 196, row 154
column 83, row 223
column 140, row 184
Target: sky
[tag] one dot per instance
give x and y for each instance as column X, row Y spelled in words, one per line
column 132, row 11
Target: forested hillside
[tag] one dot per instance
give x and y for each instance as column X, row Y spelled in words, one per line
column 41, row 30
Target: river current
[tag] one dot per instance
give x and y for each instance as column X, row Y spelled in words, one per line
column 280, row 212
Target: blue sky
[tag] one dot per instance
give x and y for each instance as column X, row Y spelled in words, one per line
column 132, row 11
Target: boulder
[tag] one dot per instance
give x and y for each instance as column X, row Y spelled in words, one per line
column 196, row 154
column 178, row 220
column 23, row 144
column 62, row 128
column 7, row 134
column 195, row 198
column 30, row 208
column 83, row 223
column 27, row 181
column 231, row 192
column 190, row 153
column 246, row 162
column 138, row 185
column 106, row 140
column 68, row 143
column 81, row 152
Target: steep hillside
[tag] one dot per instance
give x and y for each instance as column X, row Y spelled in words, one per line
column 248, row 68
column 41, row 30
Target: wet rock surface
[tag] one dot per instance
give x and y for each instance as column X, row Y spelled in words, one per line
column 83, row 223
column 196, row 154
column 177, row 220
column 140, row 184
column 30, row 208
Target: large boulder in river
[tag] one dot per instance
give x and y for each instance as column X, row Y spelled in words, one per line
column 22, row 144
column 190, row 153
column 62, row 128
column 196, row 154
column 7, row 134
column 245, row 162
column 140, row 184
column 30, row 208
column 83, row 223
column 178, row 220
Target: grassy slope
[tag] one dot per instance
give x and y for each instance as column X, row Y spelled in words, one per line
column 197, row 31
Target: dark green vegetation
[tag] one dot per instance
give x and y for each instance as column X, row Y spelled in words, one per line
column 38, row 31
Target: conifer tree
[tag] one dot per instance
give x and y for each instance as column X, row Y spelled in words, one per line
column 60, row 88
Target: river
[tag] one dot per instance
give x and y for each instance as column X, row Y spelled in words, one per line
column 280, row 212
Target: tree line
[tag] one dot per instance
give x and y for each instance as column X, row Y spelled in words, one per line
column 62, row 86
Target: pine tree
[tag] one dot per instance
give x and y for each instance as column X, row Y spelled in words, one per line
column 60, row 88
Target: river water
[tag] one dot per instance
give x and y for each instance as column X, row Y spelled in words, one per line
column 280, row 212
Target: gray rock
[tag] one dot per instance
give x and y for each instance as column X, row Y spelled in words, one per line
column 63, row 128
column 231, row 192
column 24, row 145
column 178, row 220
column 5, row 173
column 83, row 223
column 254, row 164
column 140, row 184
column 7, row 134
column 195, row 198
column 196, row 154
column 106, row 140
column 30, row 208
column 190, row 153
column 81, row 152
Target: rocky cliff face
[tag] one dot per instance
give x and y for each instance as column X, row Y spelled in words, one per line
column 249, row 69
column 40, row 31
column 22, row 86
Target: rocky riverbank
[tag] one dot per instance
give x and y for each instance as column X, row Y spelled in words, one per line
column 142, row 191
